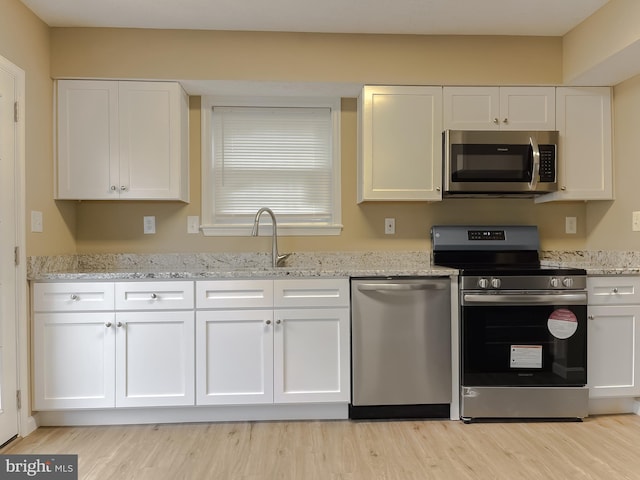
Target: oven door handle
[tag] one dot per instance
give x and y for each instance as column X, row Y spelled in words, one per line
column 381, row 287
column 525, row 299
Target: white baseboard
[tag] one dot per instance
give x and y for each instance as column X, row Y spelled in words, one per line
column 603, row 406
column 131, row 416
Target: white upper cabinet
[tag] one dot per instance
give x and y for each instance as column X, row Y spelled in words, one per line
column 499, row 108
column 585, row 172
column 400, row 143
column 122, row 140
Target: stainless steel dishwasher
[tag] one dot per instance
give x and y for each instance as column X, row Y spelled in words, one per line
column 400, row 347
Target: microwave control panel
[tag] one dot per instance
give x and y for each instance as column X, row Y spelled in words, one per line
column 547, row 163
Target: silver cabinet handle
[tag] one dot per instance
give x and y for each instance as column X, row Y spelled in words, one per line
column 278, row 322
column 108, row 324
column 119, row 324
column 615, row 290
column 591, row 317
column 505, row 121
column 75, row 297
column 268, row 322
column 123, row 188
column 154, row 296
column 113, row 188
column 496, row 121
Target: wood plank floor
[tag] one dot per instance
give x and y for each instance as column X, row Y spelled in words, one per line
column 602, row 447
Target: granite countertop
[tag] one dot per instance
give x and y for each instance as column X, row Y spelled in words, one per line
column 228, row 266
column 96, row 267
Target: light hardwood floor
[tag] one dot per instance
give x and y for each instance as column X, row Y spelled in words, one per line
column 602, row 447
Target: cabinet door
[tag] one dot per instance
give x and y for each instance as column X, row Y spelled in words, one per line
column 234, row 357
column 151, row 143
column 471, row 108
column 583, row 118
column 74, row 360
column 613, row 367
column 154, row 358
column 527, row 108
column 400, row 154
column 311, row 355
column 87, row 140
column 499, row 108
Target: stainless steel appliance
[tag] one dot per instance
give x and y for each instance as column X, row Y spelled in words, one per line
column 501, row 163
column 401, row 347
column 523, row 345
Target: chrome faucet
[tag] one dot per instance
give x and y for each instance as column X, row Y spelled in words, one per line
column 277, row 260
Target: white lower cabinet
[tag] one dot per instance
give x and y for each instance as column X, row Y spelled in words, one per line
column 613, row 334
column 311, row 355
column 74, row 360
column 284, row 355
column 105, row 359
column 154, row 359
column 234, row 357
column 182, row 343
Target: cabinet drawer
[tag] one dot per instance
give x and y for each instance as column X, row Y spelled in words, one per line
column 614, row 290
column 154, row 295
column 71, row 297
column 234, row 294
column 311, row 293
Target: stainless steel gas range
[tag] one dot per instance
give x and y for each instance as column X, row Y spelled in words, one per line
column 523, row 328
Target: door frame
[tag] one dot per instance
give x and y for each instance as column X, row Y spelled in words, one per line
column 26, row 422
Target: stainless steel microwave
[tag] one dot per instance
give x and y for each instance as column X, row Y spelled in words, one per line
column 499, row 163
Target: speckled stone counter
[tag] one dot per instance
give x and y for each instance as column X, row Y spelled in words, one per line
column 230, row 265
column 595, row 262
column 310, row 264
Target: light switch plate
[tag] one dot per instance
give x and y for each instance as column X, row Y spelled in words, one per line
column 36, row 221
column 149, row 225
column 635, row 221
column 570, row 225
column 193, row 224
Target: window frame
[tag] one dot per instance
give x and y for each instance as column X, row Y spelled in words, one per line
column 284, row 228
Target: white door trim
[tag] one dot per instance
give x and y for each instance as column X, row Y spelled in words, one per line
column 26, row 422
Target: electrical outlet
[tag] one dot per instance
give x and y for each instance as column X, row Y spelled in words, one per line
column 635, row 221
column 570, row 225
column 193, row 224
column 36, row 221
column 389, row 226
column 149, row 225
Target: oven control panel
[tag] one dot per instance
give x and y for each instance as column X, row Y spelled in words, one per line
column 486, row 235
column 524, row 282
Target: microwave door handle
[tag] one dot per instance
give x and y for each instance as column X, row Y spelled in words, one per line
column 535, row 172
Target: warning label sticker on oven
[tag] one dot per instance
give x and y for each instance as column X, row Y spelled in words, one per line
column 562, row 323
column 526, row 356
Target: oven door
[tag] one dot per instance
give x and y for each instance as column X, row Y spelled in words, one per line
column 524, row 339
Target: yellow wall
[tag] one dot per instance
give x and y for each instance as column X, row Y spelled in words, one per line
column 110, row 53
column 199, row 55
column 25, row 41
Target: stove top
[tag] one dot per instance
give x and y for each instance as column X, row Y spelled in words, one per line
column 492, row 250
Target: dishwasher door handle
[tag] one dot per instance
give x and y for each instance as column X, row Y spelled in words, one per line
column 382, row 287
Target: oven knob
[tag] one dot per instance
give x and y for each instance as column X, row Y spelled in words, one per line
column 567, row 282
column 555, row 283
column 483, row 283
column 495, row 283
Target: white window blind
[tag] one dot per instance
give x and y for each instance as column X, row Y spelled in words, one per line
column 281, row 157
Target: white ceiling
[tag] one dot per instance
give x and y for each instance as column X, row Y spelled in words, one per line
column 429, row 17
